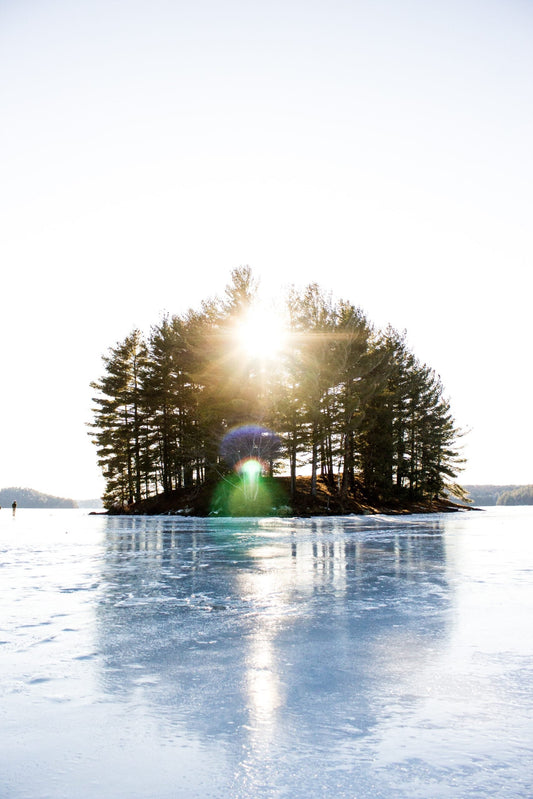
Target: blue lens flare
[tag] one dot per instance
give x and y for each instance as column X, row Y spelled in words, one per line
column 250, row 442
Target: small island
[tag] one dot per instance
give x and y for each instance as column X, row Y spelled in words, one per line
column 304, row 409
column 273, row 499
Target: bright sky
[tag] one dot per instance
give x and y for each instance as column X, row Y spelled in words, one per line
column 382, row 149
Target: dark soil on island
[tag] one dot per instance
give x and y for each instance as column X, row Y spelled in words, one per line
column 231, row 496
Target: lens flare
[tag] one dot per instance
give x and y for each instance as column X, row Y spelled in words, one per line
column 250, row 451
column 250, row 442
column 250, row 469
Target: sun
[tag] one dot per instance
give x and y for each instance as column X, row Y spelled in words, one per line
column 261, row 333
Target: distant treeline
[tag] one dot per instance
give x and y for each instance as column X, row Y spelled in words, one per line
column 89, row 503
column 522, row 495
column 350, row 403
column 500, row 494
column 29, row 498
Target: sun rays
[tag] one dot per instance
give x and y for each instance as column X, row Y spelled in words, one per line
column 261, row 333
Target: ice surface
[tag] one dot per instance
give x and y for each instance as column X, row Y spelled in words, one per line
column 251, row 659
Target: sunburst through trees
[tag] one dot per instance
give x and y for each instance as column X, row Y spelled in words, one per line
column 235, row 393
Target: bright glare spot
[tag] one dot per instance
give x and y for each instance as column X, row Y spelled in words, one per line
column 251, row 468
column 261, row 334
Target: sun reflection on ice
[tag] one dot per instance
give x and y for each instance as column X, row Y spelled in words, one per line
column 266, row 587
column 262, row 681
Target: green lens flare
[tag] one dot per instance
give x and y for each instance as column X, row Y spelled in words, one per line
column 249, row 493
column 251, row 469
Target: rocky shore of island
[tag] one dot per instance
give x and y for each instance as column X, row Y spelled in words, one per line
column 273, row 498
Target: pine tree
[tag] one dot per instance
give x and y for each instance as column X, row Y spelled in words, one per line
column 356, row 383
column 408, row 436
column 163, row 384
column 312, row 320
column 119, row 420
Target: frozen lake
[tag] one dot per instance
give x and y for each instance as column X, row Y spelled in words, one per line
column 358, row 657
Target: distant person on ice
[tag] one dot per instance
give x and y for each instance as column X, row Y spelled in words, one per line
column 14, row 506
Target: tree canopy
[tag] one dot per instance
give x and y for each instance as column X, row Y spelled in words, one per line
column 322, row 391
